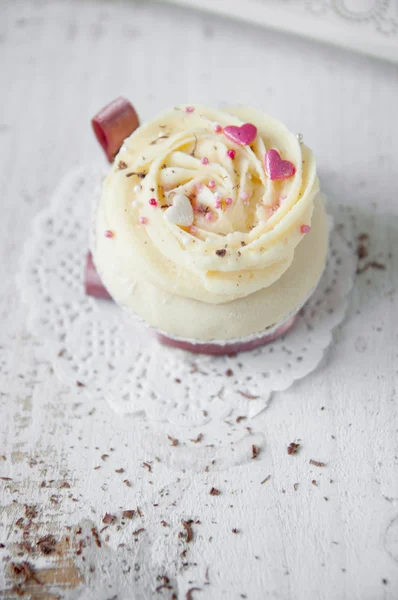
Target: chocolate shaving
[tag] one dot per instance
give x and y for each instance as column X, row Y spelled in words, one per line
column 198, row 439
column 314, row 482
column 190, row 592
column 25, row 570
column 121, row 470
column 195, row 146
column 248, row 396
column 221, row 252
column 188, row 529
column 317, row 463
column 30, row 511
column 295, row 486
column 6, row 478
column 174, row 441
column 104, row 456
column 127, row 482
column 293, row 448
column 139, row 512
column 266, row 479
column 241, row 418
column 362, row 252
column 141, row 174
column 138, row 531
column 235, row 530
column 148, row 466
column 95, row 535
column 371, row 265
column 164, row 586
column 214, row 492
column 255, row 451
column 128, row 514
column 47, row 544
column 121, row 165
column 80, row 384
column 164, row 523
column 64, row 484
column 161, row 137
column 109, row 519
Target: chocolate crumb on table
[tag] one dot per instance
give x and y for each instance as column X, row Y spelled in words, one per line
column 293, row 448
column 128, row 514
column 317, row 463
column 214, row 492
column 190, row 592
column 255, row 451
column 26, row 570
column 198, row 439
column 266, row 479
column 148, row 466
column 241, row 418
column 174, row 441
column 188, row 529
column 109, row 519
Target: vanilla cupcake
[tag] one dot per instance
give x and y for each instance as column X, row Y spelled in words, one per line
column 211, row 227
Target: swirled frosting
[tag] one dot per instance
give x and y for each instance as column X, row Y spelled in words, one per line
column 241, row 233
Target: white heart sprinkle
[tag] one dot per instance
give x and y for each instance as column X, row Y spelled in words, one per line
column 181, row 213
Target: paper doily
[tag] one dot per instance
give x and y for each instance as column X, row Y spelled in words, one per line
column 91, row 341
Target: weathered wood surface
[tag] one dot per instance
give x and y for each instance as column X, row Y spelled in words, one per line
column 66, row 461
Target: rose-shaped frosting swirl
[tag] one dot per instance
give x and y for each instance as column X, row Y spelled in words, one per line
column 244, row 227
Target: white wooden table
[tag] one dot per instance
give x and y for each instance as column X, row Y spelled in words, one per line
column 332, row 536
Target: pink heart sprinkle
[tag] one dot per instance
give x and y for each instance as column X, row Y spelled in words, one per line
column 276, row 168
column 243, row 135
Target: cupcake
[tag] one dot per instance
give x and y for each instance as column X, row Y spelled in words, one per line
column 211, row 227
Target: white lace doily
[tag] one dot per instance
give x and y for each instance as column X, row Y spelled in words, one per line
column 91, row 341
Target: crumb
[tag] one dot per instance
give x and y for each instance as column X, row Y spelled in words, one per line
column 255, row 451
column 293, row 448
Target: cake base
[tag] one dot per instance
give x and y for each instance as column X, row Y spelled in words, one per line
column 233, row 347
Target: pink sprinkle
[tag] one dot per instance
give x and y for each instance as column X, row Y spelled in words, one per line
column 189, row 109
column 153, row 202
column 192, row 229
column 143, row 220
column 108, row 233
column 205, row 160
column 244, row 196
column 209, row 216
column 199, row 186
column 217, row 128
column 228, row 201
column 282, row 198
column 231, row 154
column 218, row 202
column 211, row 185
column 305, row 229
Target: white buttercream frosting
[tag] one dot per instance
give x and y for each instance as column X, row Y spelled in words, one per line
column 236, row 207
column 191, row 222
